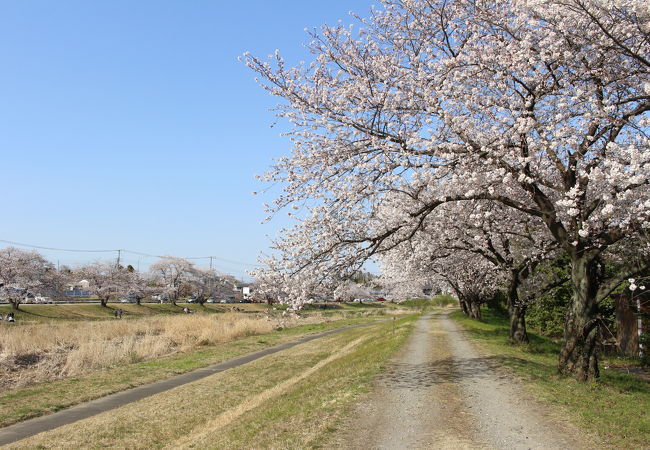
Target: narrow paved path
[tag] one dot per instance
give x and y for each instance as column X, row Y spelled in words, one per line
column 37, row 425
column 438, row 392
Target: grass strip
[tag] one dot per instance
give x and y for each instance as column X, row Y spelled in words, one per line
column 92, row 311
column 36, row 400
column 616, row 408
column 292, row 399
column 32, row 314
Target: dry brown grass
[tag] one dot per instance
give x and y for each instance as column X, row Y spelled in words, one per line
column 42, row 352
column 290, row 399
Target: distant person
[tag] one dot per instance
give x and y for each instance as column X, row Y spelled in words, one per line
column 10, row 317
column 1, row 317
column 115, row 313
column 120, row 312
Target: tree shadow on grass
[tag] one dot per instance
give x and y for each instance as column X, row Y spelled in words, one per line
column 70, row 315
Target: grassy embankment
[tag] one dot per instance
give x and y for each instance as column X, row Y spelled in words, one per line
column 87, row 311
column 49, row 366
column 429, row 304
column 293, row 399
column 616, row 408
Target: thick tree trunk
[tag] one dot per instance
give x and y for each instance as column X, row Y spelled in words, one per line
column 104, row 302
column 474, row 308
column 518, row 333
column 469, row 306
column 463, row 306
column 15, row 304
column 517, row 315
column 579, row 354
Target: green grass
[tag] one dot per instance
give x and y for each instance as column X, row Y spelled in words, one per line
column 91, row 311
column 616, row 408
column 309, row 416
column 283, row 402
column 47, row 397
column 29, row 313
column 427, row 304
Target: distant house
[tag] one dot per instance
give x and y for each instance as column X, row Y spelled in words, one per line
column 243, row 290
column 78, row 289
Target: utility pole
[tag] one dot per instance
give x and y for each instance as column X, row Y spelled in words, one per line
column 119, row 253
column 211, row 261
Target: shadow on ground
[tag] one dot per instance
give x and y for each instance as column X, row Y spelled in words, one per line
column 448, row 370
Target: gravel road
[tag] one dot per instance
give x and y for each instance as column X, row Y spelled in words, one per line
column 438, row 392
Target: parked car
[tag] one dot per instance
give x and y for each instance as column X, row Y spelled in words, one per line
column 227, row 300
column 191, row 300
column 245, row 300
column 211, row 300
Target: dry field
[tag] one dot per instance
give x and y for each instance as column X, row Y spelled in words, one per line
column 43, row 352
column 296, row 398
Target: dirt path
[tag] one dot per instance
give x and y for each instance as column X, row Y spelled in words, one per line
column 438, row 392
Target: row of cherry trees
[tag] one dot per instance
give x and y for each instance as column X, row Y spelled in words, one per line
column 468, row 141
column 25, row 273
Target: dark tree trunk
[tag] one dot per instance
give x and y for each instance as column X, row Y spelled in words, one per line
column 15, row 304
column 463, row 306
column 104, row 302
column 517, row 314
column 474, row 309
column 470, row 306
column 518, row 333
column 579, row 354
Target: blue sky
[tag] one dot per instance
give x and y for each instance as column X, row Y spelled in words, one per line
column 131, row 124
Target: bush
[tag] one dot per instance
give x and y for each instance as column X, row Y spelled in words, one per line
column 439, row 301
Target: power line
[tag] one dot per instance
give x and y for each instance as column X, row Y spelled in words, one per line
column 57, row 249
column 118, row 251
column 224, row 260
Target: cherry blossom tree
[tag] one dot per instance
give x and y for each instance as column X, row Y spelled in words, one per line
column 55, row 282
column 473, row 278
column 106, row 280
column 205, row 283
column 516, row 243
column 349, row 290
column 174, row 275
column 139, row 285
column 402, row 284
column 539, row 105
column 22, row 272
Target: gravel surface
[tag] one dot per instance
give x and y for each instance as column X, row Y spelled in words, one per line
column 439, row 392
